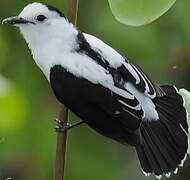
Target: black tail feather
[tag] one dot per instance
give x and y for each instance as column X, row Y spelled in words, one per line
column 164, row 141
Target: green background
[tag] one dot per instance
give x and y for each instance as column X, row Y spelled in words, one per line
column 27, row 109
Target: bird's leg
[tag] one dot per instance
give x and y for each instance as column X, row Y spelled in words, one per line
column 62, row 126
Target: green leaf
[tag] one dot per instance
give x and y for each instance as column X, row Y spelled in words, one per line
column 186, row 96
column 13, row 107
column 139, row 12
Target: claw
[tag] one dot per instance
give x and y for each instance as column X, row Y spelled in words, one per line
column 62, row 126
column 59, row 121
column 60, row 129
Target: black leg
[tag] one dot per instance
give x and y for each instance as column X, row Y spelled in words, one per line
column 62, row 126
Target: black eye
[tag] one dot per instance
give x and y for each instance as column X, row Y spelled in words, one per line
column 41, row 18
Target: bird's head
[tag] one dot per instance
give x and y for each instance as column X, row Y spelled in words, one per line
column 39, row 22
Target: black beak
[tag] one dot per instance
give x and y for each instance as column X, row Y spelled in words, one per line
column 16, row 20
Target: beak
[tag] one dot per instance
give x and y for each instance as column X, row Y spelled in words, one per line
column 16, row 20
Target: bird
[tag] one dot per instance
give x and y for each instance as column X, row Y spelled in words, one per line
column 106, row 89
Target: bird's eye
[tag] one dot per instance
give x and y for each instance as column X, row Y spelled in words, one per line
column 41, row 18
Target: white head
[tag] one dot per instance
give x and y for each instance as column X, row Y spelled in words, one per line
column 46, row 30
column 38, row 22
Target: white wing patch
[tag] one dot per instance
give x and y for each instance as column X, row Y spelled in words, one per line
column 112, row 56
column 122, row 92
column 147, row 88
column 138, row 107
column 133, row 72
column 147, row 105
column 116, row 60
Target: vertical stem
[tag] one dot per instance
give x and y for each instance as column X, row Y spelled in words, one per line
column 61, row 146
column 72, row 9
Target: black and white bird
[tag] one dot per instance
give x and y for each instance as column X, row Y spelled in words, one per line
column 106, row 90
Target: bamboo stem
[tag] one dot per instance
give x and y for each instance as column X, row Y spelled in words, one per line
column 72, row 9
column 61, row 146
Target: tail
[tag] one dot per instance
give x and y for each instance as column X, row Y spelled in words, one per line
column 165, row 141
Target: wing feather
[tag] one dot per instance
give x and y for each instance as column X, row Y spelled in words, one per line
column 128, row 70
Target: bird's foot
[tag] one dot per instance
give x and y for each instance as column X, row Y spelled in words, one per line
column 63, row 126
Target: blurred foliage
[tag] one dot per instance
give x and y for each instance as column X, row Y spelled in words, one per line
column 27, row 139
column 139, row 12
column 13, row 108
column 3, row 46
